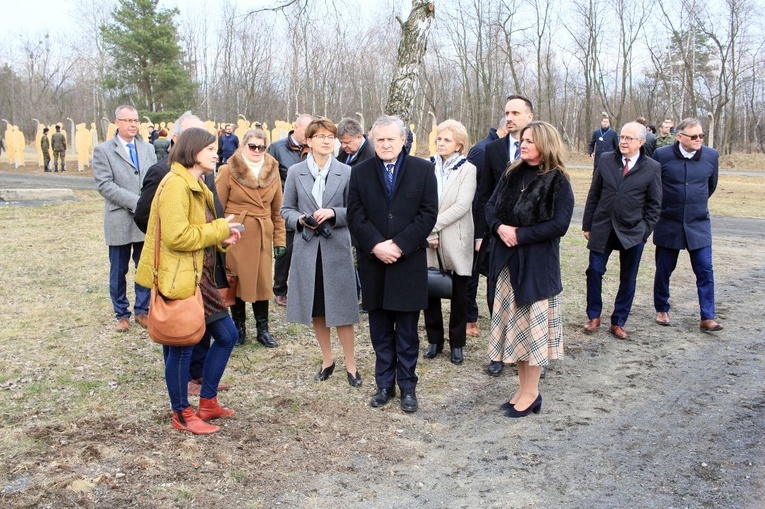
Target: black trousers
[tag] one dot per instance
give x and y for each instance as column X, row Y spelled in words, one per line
column 282, row 267
column 434, row 320
column 396, row 345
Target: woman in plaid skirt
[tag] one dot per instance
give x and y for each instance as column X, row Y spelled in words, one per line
column 528, row 214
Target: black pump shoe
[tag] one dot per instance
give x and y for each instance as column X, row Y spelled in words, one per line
column 325, row 373
column 535, row 407
column 433, row 350
column 354, row 380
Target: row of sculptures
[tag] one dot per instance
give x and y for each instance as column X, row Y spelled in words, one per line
column 85, row 139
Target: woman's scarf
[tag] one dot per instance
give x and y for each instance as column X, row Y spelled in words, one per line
column 444, row 168
column 319, row 178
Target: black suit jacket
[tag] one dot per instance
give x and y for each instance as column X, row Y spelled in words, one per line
column 365, row 152
column 495, row 162
column 407, row 218
column 151, row 181
column 629, row 206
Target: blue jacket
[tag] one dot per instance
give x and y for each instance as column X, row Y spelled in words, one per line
column 227, row 145
column 687, row 184
column 601, row 143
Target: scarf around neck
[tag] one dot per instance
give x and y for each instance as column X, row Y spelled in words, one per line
column 444, row 168
column 319, row 178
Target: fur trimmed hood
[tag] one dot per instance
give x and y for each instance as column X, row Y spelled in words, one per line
column 240, row 172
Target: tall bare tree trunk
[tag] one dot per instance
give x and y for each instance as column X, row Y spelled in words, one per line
column 411, row 49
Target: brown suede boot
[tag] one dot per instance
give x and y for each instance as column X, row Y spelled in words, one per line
column 188, row 421
column 210, row 409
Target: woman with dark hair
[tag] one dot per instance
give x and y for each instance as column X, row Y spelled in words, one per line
column 528, row 214
column 189, row 234
column 250, row 188
column 322, row 287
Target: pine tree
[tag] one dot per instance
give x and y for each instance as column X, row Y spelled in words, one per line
column 146, row 67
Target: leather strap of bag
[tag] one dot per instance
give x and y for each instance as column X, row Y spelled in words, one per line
column 157, row 234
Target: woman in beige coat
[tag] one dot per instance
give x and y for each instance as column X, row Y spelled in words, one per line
column 452, row 238
column 249, row 187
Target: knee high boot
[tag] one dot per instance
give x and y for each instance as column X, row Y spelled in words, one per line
column 260, row 310
column 240, row 320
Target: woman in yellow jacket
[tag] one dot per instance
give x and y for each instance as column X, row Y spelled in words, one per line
column 189, row 234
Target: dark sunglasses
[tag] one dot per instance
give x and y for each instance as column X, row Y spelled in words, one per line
column 694, row 137
column 256, row 148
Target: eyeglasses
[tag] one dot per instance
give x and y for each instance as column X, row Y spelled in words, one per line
column 329, row 137
column 694, row 137
column 628, row 139
column 256, row 148
column 129, row 120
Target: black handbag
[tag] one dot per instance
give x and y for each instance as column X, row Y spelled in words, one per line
column 439, row 281
column 481, row 259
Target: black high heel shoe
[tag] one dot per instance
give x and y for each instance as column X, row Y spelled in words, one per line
column 325, row 373
column 354, row 380
column 535, row 407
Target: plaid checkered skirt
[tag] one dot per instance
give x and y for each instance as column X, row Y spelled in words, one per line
column 532, row 333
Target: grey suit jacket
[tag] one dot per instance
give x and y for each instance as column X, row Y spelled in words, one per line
column 119, row 182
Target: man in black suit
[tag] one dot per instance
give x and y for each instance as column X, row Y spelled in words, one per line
column 499, row 153
column 622, row 209
column 354, row 144
column 154, row 176
column 392, row 208
column 604, row 139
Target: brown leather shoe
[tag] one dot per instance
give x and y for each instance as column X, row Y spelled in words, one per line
column 142, row 319
column 123, row 325
column 619, row 332
column 281, row 300
column 592, row 326
column 473, row 330
column 194, row 387
column 188, row 421
column 662, row 318
column 709, row 326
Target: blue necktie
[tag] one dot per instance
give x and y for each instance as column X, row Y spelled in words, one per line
column 133, row 155
column 517, row 150
column 389, row 177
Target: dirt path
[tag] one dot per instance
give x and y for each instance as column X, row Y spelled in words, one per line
column 673, row 418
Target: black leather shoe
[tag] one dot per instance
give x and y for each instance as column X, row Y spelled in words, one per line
column 409, row 400
column 495, row 368
column 354, row 380
column 382, row 397
column 535, row 407
column 432, row 350
column 457, row 356
column 324, row 373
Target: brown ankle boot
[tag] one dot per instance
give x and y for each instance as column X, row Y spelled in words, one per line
column 188, row 421
column 210, row 409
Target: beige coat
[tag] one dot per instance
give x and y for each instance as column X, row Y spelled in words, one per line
column 454, row 225
column 255, row 201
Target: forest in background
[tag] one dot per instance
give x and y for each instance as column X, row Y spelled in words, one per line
column 574, row 60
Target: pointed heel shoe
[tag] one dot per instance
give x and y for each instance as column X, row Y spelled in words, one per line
column 325, row 373
column 354, row 380
column 535, row 407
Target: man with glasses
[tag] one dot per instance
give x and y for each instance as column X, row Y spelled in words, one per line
column 689, row 177
column 288, row 152
column 119, row 167
column 622, row 209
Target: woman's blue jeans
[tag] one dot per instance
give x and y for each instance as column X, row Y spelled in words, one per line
column 178, row 359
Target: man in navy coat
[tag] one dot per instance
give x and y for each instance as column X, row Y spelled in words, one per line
column 689, row 177
column 622, row 209
column 392, row 208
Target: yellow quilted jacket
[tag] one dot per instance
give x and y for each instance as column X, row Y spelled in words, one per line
column 181, row 208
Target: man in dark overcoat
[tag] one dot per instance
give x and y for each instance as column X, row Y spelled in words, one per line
column 689, row 177
column 392, row 208
column 622, row 209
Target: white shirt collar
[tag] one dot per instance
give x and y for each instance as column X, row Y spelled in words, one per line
column 687, row 155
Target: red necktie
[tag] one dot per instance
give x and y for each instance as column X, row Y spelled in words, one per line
column 626, row 167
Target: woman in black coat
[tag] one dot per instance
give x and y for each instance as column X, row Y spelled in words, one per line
column 528, row 214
